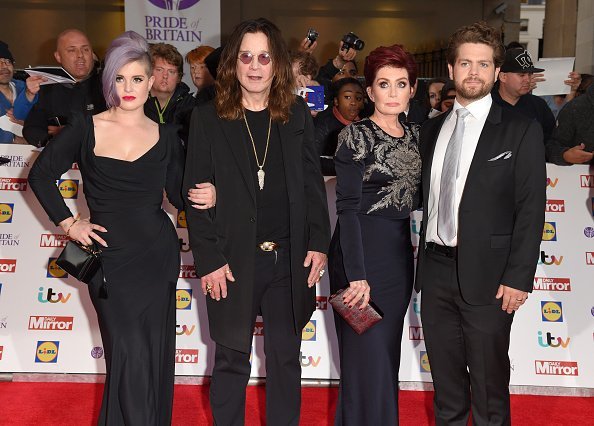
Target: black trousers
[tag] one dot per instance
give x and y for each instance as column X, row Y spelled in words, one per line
column 467, row 348
column 272, row 298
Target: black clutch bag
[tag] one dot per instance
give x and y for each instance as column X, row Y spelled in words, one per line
column 359, row 320
column 79, row 260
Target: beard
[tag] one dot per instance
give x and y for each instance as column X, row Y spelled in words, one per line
column 475, row 92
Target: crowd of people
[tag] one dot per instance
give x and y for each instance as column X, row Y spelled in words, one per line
column 245, row 157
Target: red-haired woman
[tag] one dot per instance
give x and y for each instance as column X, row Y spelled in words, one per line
column 378, row 171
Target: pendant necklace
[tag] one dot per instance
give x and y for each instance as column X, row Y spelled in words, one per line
column 260, row 172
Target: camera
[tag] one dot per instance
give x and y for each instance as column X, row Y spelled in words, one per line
column 312, row 35
column 352, row 40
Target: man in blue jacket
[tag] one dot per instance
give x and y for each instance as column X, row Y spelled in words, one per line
column 16, row 97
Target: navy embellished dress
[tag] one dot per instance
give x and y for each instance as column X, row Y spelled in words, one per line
column 377, row 187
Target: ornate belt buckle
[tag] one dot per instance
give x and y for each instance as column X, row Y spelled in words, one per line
column 268, row 246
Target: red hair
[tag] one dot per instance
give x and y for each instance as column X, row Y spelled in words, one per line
column 392, row 56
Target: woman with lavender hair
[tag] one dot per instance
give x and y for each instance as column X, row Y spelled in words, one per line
column 126, row 161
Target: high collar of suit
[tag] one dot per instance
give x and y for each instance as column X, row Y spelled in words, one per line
column 477, row 109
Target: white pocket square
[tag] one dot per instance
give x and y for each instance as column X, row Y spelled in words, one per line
column 505, row 155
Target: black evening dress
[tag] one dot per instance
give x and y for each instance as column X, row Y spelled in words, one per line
column 377, row 186
column 141, row 264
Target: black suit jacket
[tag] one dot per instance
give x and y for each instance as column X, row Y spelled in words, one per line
column 219, row 152
column 501, row 213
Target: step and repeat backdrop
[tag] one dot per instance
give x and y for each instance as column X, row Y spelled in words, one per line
column 47, row 322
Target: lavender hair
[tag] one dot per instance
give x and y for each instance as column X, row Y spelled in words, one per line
column 129, row 47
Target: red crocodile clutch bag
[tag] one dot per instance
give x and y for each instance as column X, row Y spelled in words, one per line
column 359, row 320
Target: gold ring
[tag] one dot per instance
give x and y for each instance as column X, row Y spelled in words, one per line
column 209, row 287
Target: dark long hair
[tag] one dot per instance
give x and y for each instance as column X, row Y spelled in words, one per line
column 228, row 90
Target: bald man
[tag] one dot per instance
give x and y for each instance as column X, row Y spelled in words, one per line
column 58, row 101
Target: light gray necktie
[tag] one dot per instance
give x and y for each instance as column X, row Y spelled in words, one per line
column 446, row 220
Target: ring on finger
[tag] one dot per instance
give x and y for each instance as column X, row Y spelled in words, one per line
column 209, row 287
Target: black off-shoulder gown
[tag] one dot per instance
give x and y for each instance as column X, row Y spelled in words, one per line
column 141, row 263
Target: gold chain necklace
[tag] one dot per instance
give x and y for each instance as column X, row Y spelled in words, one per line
column 260, row 172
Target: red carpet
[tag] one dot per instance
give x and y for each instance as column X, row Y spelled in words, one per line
column 77, row 404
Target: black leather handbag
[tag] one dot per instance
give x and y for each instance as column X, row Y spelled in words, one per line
column 79, row 260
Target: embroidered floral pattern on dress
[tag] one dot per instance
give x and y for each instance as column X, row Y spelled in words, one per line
column 396, row 160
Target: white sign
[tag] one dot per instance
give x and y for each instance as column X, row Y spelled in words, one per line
column 186, row 24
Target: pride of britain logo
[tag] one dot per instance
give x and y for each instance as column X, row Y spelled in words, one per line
column 174, row 4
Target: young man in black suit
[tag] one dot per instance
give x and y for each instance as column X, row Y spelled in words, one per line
column 484, row 183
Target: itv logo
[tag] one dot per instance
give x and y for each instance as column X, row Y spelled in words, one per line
column 49, row 296
column 551, row 341
column 309, row 361
column 547, row 260
column 184, row 330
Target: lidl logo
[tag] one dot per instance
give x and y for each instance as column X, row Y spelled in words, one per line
column 308, row 333
column 6, row 212
column 47, row 351
column 555, row 206
column 549, row 233
column 181, row 219
column 53, row 270
column 8, row 265
column 183, row 298
column 556, row 368
column 13, row 184
column 68, row 188
column 552, row 284
column 186, row 356
column 424, row 362
column 551, row 311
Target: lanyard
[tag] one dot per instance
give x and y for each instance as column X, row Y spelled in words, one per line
column 161, row 111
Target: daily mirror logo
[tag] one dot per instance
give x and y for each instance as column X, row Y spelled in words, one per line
column 50, row 323
column 13, row 184
column 186, row 356
column 552, row 284
column 8, row 265
column 556, row 368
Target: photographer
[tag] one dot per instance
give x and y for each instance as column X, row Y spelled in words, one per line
column 341, row 63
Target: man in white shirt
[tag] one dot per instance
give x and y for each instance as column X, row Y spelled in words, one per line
column 484, row 183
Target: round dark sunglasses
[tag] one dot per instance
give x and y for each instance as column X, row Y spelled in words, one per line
column 248, row 57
